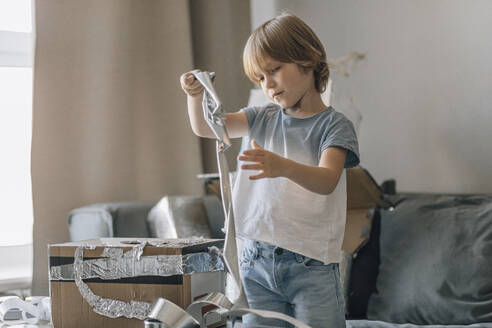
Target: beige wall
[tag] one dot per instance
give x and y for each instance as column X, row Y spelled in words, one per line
column 109, row 120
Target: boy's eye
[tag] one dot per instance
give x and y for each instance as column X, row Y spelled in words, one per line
column 261, row 78
column 276, row 69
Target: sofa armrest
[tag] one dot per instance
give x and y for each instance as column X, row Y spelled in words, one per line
column 123, row 219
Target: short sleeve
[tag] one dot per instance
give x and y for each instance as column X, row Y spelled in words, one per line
column 251, row 114
column 341, row 133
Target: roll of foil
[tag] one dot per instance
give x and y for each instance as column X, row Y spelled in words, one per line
column 131, row 264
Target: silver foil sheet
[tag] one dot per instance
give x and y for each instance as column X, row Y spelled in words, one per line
column 117, row 267
column 213, row 113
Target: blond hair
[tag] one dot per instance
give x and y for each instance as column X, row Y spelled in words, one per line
column 288, row 39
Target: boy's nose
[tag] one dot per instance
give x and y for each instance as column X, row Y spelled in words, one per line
column 270, row 82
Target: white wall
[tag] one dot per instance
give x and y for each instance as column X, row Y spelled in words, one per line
column 425, row 89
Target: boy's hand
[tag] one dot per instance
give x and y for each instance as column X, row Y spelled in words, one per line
column 190, row 85
column 270, row 164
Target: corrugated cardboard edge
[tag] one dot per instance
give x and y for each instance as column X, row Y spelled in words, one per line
column 363, row 195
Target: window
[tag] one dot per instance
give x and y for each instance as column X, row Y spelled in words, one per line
column 16, row 212
column 15, row 145
column 15, row 15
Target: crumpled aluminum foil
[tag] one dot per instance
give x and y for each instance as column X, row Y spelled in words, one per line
column 212, row 108
column 32, row 310
column 105, row 306
column 130, row 264
column 116, row 266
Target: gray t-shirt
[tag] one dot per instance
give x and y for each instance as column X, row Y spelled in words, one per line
column 281, row 212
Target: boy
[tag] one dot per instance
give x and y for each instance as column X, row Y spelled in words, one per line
column 291, row 213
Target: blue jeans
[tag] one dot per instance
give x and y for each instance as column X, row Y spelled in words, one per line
column 278, row 280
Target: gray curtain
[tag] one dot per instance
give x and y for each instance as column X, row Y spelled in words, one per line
column 109, row 116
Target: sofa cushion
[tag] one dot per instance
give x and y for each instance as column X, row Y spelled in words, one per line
column 364, row 272
column 436, row 261
column 179, row 217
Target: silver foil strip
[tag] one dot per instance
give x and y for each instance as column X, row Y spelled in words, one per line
column 225, row 308
column 212, row 108
column 219, row 300
column 119, row 266
column 172, row 243
column 105, row 306
column 215, row 116
column 230, row 252
column 166, row 314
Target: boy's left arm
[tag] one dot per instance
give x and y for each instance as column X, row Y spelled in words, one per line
column 321, row 179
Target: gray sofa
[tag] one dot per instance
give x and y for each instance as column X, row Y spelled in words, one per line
column 133, row 219
column 428, row 262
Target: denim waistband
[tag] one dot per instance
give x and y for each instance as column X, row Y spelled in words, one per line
column 263, row 248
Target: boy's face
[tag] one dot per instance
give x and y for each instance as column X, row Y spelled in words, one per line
column 285, row 83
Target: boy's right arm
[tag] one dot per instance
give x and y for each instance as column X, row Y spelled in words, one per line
column 236, row 123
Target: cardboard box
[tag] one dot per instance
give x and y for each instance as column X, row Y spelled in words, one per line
column 69, row 309
column 363, row 195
